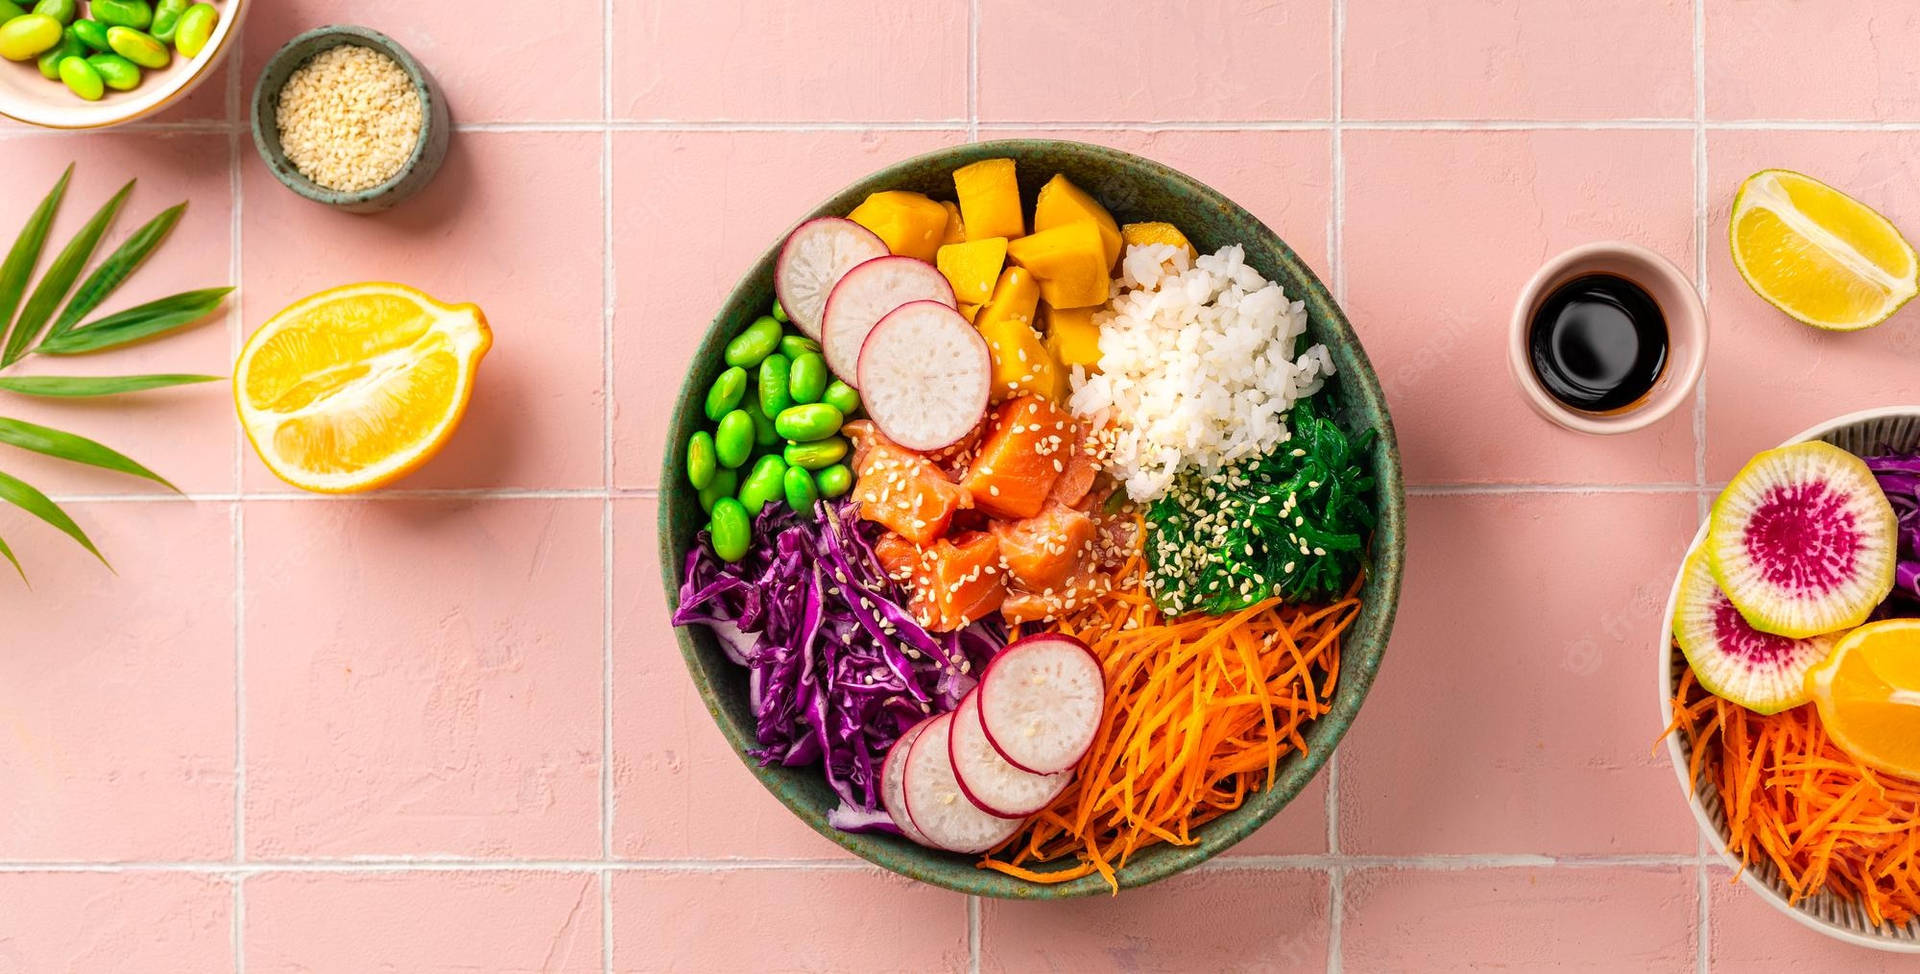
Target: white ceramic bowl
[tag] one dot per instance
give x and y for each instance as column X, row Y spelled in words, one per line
column 28, row 97
column 1890, row 429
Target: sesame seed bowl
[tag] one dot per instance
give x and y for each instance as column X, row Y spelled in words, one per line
column 26, row 96
column 360, row 162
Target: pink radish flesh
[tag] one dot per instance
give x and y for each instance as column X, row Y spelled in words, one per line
column 925, row 375
column 893, row 778
column 940, row 810
column 864, row 296
column 1040, row 702
column 816, row 256
column 989, row 781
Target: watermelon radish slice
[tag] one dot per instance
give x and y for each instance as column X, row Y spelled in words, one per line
column 939, row 809
column 987, row 779
column 816, row 256
column 1803, row 541
column 925, row 375
column 1760, row 671
column 893, row 780
column 1040, row 702
column 867, row 294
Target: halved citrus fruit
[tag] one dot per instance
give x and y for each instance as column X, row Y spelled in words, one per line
column 1818, row 254
column 356, row 387
column 1868, row 693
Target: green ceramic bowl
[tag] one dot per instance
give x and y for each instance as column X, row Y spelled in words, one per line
column 1134, row 189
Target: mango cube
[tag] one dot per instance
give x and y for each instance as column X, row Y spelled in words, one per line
column 1135, row 234
column 1021, row 363
column 1016, row 297
column 1072, row 337
column 1070, row 262
column 1061, row 202
column 910, row 224
column 972, row 267
column 989, row 199
column 956, row 231
column 971, row 312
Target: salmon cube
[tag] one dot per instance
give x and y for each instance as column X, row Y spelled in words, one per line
column 1040, row 552
column 1021, row 458
column 958, row 582
column 901, row 489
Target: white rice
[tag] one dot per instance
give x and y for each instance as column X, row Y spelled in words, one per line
column 1196, row 365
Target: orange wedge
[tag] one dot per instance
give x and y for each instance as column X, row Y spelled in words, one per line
column 353, row 388
column 1868, row 693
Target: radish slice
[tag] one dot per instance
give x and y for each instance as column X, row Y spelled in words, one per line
column 893, row 779
column 937, row 805
column 1040, row 702
column 864, row 296
column 816, row 256
column 989, row 781
column 925, row 375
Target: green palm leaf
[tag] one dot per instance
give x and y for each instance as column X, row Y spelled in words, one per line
column 8, row 554
column 26, row 251
column 84, row 387
column 139, row 323
column 77, row 449
column 59, row 278
column 24, row 496
column 114, row 271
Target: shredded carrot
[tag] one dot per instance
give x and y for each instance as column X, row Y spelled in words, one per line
column 1200, row 712
column 1795, row 800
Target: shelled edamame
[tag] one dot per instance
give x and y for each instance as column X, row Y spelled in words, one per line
column 111, row 43
column 777, row 414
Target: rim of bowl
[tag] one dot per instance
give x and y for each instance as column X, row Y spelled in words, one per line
column 263, row 121
column 1359, row 665
column 1671, row 660
column 173, row 89
column 1686, row 327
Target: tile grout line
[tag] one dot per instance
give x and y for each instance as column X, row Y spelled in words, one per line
column 1703, row 921
column 606, row 505
column 1336, row 244
column 237, row 520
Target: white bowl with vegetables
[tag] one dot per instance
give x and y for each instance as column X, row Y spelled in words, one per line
column 92, row 64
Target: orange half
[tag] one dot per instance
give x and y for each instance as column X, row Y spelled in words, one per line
column 1868, row 693
column 354, row 388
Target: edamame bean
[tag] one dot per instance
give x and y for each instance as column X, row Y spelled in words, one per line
column 801, row 492
column 766, row 483
column 733, row 441
column 119, row 73
column 138, row 47
column 834, row 480
column 70, row 46
column 82, row 79
column 773, row 384
column 195, row 29
column 166, row 19
column 817, row 455
column 61, row 10
column 702, row 461
column 841, row 396
column 10, row 10
column 764, row 434
column 794, row 346
column 731, row 529
column 29, row 36
column 779, row 313
column 812, row 421
column 724, row 483
column 91, row 33
column 726, row 393
column 759, row 341
column 807, row 378
column 137, row 14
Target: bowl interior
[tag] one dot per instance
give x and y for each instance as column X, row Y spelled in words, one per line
column 1893, row 429
column 1133, row 189
column 28, row 97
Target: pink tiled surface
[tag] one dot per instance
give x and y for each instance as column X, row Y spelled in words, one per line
column 446, row 728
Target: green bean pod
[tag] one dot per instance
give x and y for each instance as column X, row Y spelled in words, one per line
column 800, row 489
column 841, row 396
column 794, row 346
column 834, row 481
column 779, row 313
column 119, row 73
column 726, row 393
column 773, row 384
column 730, row 529
column 166, row 19
column 137, row 14
column 813, row 421
column 817, row 455
column 761, row 339
column 92, row 33
column 195, row 29
column 733, row 441
column 724, row 483
column 28, row 36
column 765, row 484
column 702, row 461
column 82, row 79
column 61, row 10
column 139, row 47
column 807, row 378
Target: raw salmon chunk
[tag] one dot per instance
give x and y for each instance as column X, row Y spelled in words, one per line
column 951, row 582
column 1040, row 552
column 1021, row 459
column 901, row 489
column 1083, row 586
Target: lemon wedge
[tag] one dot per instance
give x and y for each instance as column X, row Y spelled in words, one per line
column 353, row 388
column 1818, row 254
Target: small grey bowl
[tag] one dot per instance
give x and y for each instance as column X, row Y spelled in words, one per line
column 435, row 130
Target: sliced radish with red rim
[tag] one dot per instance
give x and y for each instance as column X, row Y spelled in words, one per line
column 815, row 257
column 867, row 294
column 1040, row 702
column 925, row 375
column 939, row 809
column 893, row 777
column 987, row 779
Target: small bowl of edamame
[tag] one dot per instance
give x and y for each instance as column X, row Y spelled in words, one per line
column 93, row 64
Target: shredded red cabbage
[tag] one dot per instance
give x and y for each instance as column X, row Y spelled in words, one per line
column 838, row 669
column 1899, row 477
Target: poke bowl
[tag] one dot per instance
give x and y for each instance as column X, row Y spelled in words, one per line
column 956, row 337
column 1835, row 908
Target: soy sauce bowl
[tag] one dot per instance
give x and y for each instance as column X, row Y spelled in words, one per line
column 1679, row 304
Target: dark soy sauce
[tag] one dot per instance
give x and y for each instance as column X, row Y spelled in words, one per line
column 1598, row 343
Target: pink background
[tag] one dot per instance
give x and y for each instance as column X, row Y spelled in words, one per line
column 445, row 728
